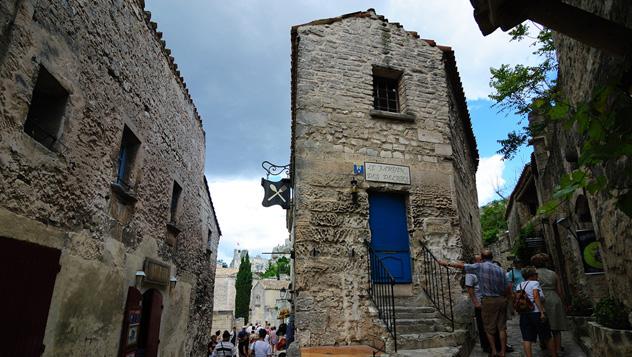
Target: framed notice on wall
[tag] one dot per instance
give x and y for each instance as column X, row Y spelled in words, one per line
column 590, row 251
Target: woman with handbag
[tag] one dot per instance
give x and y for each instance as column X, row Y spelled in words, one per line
column 528, row 302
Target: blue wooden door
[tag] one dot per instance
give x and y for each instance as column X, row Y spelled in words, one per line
column 389, row 233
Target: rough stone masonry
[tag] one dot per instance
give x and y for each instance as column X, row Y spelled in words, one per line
column 334, row 127
column 118, row 77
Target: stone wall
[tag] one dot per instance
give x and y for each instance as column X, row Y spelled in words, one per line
column 582, row 70
column 333, row 129
column 118, row 73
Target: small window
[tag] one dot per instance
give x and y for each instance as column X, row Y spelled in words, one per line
column 44, row 119
column 386, row 90
column 175, row 202
column 127, row 158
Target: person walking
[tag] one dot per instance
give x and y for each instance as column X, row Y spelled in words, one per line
column 224, row 348
column 233, row 336
column 494, row 294
column 474, row 292
column 533, row 324
column 260, row 348
column 550, row 283
column 514, row 275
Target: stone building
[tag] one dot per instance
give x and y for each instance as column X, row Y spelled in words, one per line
column 588, row 225
column 108, row 236
column 266, row 300
column 258, row 264
column 382, row 152
column 224, row 299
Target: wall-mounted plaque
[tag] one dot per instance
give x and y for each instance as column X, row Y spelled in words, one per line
column 387, row 173
column 156, row 272
column 590, row 251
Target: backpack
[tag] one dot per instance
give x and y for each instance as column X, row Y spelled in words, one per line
column 521, row 302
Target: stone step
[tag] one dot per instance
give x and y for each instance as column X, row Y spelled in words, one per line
column 430, row 352
column 420, row 309
column 412, row 312
column 425, row 340
column 422, row 325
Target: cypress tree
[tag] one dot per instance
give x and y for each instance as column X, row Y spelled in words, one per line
column 243, row 286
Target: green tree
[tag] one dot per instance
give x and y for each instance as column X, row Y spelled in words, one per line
column 243, row 286
column 276, row 269
column 493, row 221
column 601, row 122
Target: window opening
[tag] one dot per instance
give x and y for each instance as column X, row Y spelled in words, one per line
column 126, row 158
column 386, row 89
column 44, row 119
column 175, row 198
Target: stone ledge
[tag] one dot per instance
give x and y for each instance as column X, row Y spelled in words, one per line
column 380, row 114
column 126, row 196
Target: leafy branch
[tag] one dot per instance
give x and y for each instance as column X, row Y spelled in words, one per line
column 602, row 123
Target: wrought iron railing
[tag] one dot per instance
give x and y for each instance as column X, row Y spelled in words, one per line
column 437, row 284
column 381, row 286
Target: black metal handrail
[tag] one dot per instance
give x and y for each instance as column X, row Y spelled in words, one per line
column 440, row 294
column 381, row 286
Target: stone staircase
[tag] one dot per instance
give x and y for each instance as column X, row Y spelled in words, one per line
column 422, row 331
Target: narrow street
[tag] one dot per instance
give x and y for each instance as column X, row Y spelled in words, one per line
column 571, row 348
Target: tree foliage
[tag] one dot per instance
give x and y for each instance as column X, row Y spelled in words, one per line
column 493, row 221
column 276, row 269
column 602, row 123
column 520, row 88
column 243, row 287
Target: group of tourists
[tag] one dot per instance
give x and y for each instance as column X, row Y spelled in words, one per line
column 534, row 292
column 251, row 341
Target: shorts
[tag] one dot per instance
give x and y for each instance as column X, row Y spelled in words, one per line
column 532, row 327
column 494, row 314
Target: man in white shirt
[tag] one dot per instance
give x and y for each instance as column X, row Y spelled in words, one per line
column 261, row 348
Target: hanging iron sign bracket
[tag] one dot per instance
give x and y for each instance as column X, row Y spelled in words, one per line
column 276, row 192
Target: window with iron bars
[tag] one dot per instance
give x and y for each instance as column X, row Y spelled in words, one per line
column 386, row 94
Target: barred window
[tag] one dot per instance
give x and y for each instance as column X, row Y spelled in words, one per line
column 386, row 89
column 385, row 94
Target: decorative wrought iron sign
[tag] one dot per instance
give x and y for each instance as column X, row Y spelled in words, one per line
column 274, row 170
column 387, row 173
column 156, row 272
column 276, row 193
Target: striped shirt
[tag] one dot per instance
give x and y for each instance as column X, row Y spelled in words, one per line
column 491, row 278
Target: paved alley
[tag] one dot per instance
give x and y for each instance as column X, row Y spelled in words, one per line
column 571, row 348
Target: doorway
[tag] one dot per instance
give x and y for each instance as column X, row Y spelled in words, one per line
column 150, row 324
column 27, row 272
column 389, row 233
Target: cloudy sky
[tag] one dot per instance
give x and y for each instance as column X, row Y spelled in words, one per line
column 235, row 58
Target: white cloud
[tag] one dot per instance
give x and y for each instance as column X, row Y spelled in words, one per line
column 451, row 23
column 489, row 177
column 243, row 219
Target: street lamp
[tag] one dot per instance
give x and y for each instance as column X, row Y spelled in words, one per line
column 139, row 278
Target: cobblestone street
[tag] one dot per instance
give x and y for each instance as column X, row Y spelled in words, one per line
column 571, row 348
